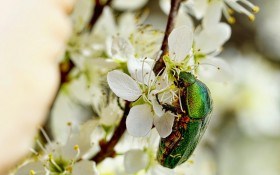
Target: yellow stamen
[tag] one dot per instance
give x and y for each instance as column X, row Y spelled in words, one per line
column 252, row 18
column 231, row 20
column 69, row 123
column 76, row 147
column 69, row 169
column 230, row 11
column 32, row 172
column 256, row 9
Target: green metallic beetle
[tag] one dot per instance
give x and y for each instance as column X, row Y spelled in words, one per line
column 190, row 124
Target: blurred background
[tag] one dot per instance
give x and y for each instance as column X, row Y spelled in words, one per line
column 244, row 134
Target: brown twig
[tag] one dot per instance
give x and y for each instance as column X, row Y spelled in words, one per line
column 65, row 68
column 107, row 149
column 98, row 9
column 175, row 5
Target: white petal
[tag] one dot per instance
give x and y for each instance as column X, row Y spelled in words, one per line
column 164, row 124
column 184, row 19
column 156, row 106
column 65, row 110
column 139, row 120
column 78, row 60
column 123, row 85
column 135, row 160
column 140, row 71
column 160, row 170
column 106, row 25
column 180, row 42
column 128, row 5
column 213, row 14
column 212, row 38
column 153, row 139
column 215, row 69
column 199, row 8
column 82, row 139
column 127, row 24
column 85, row 167
column 81, row 14
column 109, row 113
column 79, row 89
column 121, row 49
column 37, row 167
column 146, row 41
column 165, row 6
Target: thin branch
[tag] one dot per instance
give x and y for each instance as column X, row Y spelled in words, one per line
column 175, row 5
column 98, row 9
column 107, row 149
column 65, row 68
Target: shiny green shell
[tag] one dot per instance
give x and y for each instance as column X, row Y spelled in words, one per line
column 190, row 126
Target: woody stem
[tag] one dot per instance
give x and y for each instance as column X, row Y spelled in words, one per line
column 175, row 5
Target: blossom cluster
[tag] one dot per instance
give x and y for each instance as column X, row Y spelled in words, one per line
column 113, row 65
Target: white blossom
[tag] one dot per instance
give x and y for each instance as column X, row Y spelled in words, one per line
column 180, row 43
column 209, row 39
column 141, row 117
column 64, row 158
column 142, row 160
column 199, row 8
column 135, row 160
column 65, row 111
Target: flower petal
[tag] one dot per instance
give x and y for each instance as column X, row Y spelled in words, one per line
column 159, row 170
column 215, row 69
column 165, row 6
column 184, row 19
column 212, row 38
column 139, row 120
column 85, row 167
column 37, row 167
column 79, row 89
column 135, row 160
column 180, row 43
column 164, row 124
column 81, row 139
column 140, row 71
column 198, row 7
column 105, row 26
column 213, row 14
column 123, row 85
column 127, row 24
column 65, row 111
column 128, row 5
column 121, row 49
column 81, row 14
column 158, row 109
column 109, row 113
